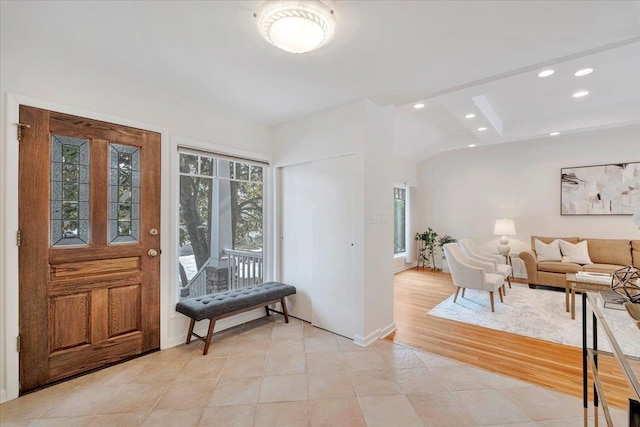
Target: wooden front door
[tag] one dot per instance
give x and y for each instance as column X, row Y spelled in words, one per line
column 89, row 219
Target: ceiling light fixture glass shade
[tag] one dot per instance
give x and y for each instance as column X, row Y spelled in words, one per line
column 296, row 26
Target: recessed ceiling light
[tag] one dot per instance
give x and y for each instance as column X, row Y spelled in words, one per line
column 469, row 116
column 554, row 134
column 581, row 93
column 482, row 129
column 583, row 72
column 545, row 73
column 418, row 106
column 472, row 145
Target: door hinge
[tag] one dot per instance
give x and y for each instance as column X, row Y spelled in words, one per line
column 20, row 126
column 18, row 237
column 18, row 344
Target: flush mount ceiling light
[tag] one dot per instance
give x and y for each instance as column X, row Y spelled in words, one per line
column 581, row 93
column 554, row 134
column 481, row 129
column 471, row 145
column 545, row 73
column 469, row 116
column 296, row 26
column 583, row 72
column 418, row 106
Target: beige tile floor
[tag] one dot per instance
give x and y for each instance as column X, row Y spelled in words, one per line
column 267, row 373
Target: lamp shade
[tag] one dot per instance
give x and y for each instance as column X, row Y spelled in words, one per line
column 504, row 227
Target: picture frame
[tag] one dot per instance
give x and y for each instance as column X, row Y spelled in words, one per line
column 610, row 189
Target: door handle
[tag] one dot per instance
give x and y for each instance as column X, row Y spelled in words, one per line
column 152, row 253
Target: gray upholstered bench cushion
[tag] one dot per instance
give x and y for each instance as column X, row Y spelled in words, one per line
column 215, row 305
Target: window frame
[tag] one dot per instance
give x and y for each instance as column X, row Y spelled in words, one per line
column 404, row 189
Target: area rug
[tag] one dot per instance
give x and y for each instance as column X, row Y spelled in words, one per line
column 538, row 313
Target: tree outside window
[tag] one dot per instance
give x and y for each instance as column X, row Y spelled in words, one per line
column 221, row 224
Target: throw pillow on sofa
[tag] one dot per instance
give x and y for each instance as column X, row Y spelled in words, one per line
column 550, row 252
column 578, row 253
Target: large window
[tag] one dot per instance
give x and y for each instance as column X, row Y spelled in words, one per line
column 399, row 220
column 220, row 227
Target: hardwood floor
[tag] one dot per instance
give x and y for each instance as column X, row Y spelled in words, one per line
column 543, row 363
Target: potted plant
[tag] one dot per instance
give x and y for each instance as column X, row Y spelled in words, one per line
column 427, row 242
column 441, row 242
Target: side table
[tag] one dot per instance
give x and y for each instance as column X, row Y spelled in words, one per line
column 573, row 284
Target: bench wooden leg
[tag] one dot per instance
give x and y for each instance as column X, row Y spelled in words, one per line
column 212, row 324
column 191, row 325
column 284, row 310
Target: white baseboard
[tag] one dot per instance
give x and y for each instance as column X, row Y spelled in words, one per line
column 365, row 341
column 221, row 325
column 388, row 329
column 3, row 395
column 373, row 336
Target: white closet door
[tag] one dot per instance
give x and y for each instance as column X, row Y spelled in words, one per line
column 332, row 294
column 296, row 239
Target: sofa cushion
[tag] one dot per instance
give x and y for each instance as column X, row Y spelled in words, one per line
column 548, row 240
column 548, row 252
column 635, row 252
column 578, row 253
column 609, row 251
column 559, row 267
column 602, row 268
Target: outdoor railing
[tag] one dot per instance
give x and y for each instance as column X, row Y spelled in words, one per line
column 244, row 268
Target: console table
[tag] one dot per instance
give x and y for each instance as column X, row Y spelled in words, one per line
column 590, row 358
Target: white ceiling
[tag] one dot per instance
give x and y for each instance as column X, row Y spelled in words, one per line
column 456, row 57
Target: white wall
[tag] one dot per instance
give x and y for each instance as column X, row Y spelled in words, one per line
column 463, row 192
column 57, row 85
column 366, row 131
column 378, row 197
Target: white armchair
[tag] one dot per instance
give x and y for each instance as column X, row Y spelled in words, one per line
column 472, row 274
column 474, row 252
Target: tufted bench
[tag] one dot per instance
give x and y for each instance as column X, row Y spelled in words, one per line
column 225, row 304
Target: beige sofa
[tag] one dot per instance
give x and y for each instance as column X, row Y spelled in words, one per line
column 607, row 255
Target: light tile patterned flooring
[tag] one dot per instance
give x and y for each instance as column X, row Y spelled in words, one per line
column 267, row 373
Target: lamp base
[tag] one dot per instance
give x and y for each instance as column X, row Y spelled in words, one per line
column 503, row 247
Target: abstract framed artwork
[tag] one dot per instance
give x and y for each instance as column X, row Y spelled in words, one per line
column 612, row 189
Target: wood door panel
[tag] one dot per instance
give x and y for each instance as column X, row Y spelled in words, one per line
column 124, row 306
column 87, row 268
column 68, row 321
column 79, row 127
column 85, row 302
column 62, row 255
column 82, row 359
column 88, row 284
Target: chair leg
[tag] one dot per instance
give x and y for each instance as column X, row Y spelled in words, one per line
column 284, row 310
column 500, row 291
column 191, row 325
column 212, row 324
column 504, row 289
column 456, row 295
column 491, row 298
column 463, row 289
column 266, row 308
column 509, row 280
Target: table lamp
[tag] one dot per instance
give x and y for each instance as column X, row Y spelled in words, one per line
column 504, row 227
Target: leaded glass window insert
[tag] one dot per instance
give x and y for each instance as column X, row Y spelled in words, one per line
column 69, row 191
column 124, row 193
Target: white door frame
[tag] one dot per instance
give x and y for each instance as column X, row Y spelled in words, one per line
column 9, row 226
